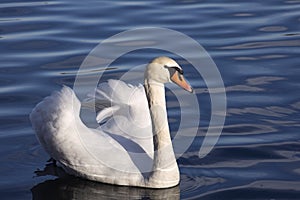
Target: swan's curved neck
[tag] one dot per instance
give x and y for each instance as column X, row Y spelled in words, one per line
column 157, row 105
column 164, row 161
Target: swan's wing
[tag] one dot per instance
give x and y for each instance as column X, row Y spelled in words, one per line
column 85, row 152
column 124, row 114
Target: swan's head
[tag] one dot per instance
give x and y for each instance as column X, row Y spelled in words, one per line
column 164, row 70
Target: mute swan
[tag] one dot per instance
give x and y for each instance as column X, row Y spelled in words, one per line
column 142, row 157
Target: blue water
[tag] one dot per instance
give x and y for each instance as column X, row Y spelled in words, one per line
column 256, row 46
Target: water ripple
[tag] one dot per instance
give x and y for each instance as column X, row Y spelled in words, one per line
column 264, row 44
column 254, row 44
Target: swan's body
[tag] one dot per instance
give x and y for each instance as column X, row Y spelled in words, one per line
column 131, row 147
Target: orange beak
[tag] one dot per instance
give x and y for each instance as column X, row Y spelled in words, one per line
column 180, row 80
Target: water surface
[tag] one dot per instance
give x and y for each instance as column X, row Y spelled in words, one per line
column 254, row 44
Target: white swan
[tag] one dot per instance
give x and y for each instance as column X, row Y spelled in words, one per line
column 142, row 156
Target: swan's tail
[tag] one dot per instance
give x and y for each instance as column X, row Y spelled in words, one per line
column 53, row 115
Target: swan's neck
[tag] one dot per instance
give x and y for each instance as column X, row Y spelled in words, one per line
column 164, row 161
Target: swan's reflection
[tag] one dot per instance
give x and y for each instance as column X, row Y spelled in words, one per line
column 68, row 187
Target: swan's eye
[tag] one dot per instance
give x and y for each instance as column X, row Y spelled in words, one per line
column 173, row 69
column 180, row 71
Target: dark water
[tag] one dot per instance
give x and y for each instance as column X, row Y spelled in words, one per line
column 256, row 46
